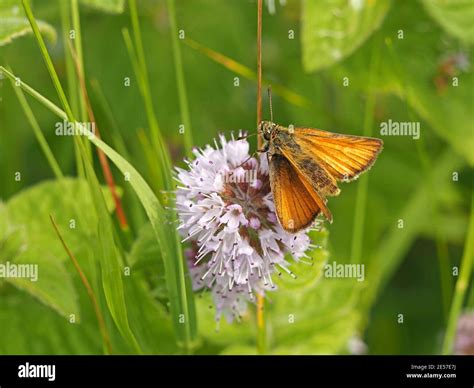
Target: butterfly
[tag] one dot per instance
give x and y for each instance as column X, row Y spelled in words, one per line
column 305, row 165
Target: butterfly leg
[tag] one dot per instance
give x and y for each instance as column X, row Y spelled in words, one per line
column 265, row 148
column 246, row 160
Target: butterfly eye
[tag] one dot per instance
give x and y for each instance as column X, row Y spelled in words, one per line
column 266, row 128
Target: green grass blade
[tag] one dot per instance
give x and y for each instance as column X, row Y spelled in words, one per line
column 182, row 94
column 362, row 189
column 65, row 7
column 53, row 163
column 110, row 260
column 461, row 285
column 163, row 179
column 244, row 71
column 73, row 94
column 114, row 132
column 47, row 58
column 137, row 54
column 76, row 24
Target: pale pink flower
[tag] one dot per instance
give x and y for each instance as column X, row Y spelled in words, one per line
column 226, row 210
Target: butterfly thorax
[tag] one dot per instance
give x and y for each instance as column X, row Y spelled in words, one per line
column 268, row 129
column 276, row 136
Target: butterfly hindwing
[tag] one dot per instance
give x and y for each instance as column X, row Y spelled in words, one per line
column 295, row 207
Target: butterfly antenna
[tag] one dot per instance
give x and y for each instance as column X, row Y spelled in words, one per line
column 269, row 89
column 246, row 136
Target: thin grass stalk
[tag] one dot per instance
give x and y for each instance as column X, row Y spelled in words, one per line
column 139, row 53
column 467, row 263
column 162, row 181
column 180, row 82
column 114, row 132
column 261, row 324
column 104, row 163
column 79, row 61
column 76, row 24
column 65, row 10
column 363, row 185
column 100, row 319
column 53, row 163
column 47, row 59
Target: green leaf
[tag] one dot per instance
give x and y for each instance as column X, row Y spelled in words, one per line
column 332, row 30
column 455, row 16
column 12, row 238
column 35, row 329
column 14, row 24
column 27, row 237
column 110, row 6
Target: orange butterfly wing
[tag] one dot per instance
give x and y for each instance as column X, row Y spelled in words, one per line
column 344, row 157
column 314, row 178
column 295, row 205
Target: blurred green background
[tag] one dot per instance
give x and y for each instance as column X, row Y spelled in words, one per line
column 399, row 58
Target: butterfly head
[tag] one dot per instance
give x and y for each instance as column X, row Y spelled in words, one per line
column 266, row 128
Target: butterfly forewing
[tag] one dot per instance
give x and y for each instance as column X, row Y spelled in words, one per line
column 295, row 206
column 344, row 157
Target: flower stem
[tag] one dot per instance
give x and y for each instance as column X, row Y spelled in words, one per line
column 261, row 327
column 261, row 332
column 461, row 285
column 259, row 69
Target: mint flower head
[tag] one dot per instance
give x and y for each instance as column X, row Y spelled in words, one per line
column 227, row 213
column 464, row 343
